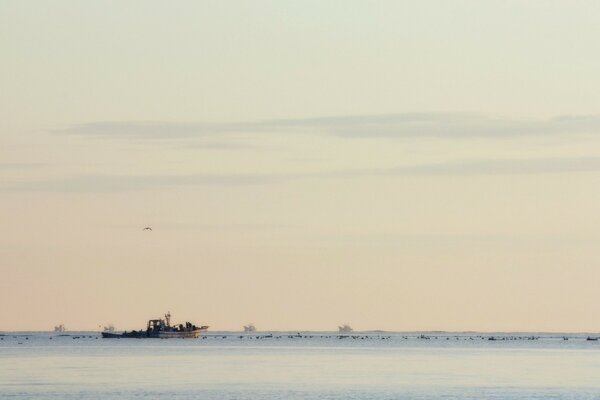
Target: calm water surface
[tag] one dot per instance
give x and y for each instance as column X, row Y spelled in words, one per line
column 314, row 366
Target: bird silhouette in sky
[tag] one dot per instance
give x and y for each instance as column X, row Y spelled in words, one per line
column 147, row 229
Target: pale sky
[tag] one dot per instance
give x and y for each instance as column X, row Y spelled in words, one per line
column 393, row 165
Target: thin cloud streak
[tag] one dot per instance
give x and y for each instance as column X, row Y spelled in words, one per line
column 407, row 125
column 504, row 166
column 119, row 183
column 21, row 165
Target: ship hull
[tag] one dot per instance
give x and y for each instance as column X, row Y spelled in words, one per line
column 154, row 335
column 180, row 335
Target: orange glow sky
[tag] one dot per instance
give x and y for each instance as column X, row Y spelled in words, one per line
column 393, row 165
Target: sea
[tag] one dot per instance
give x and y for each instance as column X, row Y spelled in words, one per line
column 301, row 365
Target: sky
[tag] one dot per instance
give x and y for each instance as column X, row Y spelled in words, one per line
column 394, row 165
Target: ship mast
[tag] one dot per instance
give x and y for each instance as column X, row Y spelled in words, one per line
column 168, row 318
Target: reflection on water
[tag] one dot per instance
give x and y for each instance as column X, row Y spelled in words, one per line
column 306, row 366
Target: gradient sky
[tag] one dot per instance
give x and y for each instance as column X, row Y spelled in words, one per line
column 392, row 165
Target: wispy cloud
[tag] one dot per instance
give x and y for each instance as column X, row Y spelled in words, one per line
column 21, row 165
column 159, row 130
column 441, row 125
column 118, row 183
column 407, row 125
column 502, row 166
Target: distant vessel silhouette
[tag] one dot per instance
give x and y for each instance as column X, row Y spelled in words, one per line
column 60, row 328
column 160, row 328
column 249, row 328
column 345, row 328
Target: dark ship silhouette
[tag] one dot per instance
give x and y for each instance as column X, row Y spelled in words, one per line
column 160, row 329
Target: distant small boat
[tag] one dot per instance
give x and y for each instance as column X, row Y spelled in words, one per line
column 161, row 329
column 60, row 328
column 595, row 339
column 249, row 328
column 345, row 328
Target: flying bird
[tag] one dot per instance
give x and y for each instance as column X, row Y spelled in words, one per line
column 147, row 228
